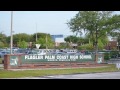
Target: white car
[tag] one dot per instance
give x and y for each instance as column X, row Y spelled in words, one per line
column 36, row 53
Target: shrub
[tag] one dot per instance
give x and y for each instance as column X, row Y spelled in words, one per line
column 114, row 54
column 106, row 56
column 86, row 47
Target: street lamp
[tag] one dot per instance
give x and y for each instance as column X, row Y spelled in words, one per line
column 36, row 32
column 1, row 35
column 11, row 39
column 46, row 41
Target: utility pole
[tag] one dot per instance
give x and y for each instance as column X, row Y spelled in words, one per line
column 11, row 40
column 36, row 32
column 1, row 35
column 96, row 46
column 46, row 41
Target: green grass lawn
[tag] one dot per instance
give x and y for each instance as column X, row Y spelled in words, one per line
column 31, row 73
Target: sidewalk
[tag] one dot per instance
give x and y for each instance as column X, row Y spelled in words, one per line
column 113, row 61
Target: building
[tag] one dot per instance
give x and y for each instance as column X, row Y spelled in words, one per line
column 58, row 39
column 111, row 45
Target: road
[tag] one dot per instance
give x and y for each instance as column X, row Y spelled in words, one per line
column 107, row 75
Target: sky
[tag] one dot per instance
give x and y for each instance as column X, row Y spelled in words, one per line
column 30, row 22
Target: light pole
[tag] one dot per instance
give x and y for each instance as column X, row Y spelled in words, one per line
column 46, row 41
column 11, row 39
column 1, row 33
column 1, row 36
column 36, row 32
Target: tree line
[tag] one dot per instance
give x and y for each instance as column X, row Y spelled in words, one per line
column 23, row 40
column 96, row 25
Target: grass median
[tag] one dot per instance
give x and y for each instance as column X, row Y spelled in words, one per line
column 45, row 72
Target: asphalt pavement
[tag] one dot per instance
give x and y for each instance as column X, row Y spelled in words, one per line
column 106, row 75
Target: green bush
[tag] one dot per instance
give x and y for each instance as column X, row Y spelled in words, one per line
column 113, row 54
column 106, row 56
column 86, row 47
column 22, row 44
column 1, row 44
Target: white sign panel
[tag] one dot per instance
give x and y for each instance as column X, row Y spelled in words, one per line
column 117, row 65
column 37, row 46
column 14, row 61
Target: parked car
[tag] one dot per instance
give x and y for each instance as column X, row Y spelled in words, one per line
column 4, row 53
column 36, row 52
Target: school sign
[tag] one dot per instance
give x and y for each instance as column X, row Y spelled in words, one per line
column 18, row 61
column 56, row 58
